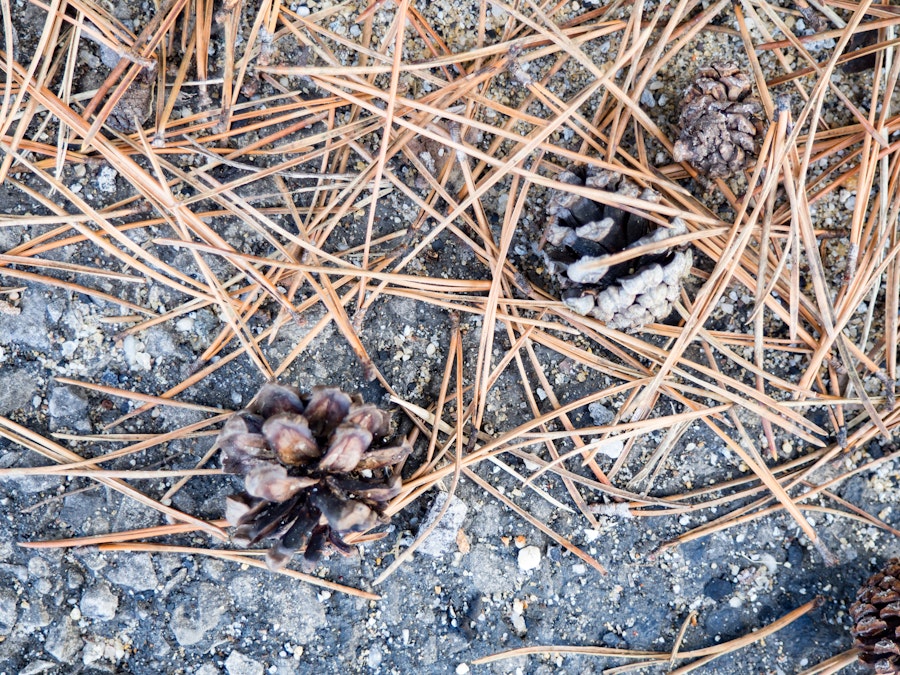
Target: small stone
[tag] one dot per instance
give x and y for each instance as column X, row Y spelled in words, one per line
column 374, row 658
column 16, row 388
column 134, row 571
column 600, row 414
column 63, row 641
column 612, row 448
column 68, row 408
column 443, row 539
column 8, row 611
column 29, row 327
column 135, row 104
column 462, row 669
column 37, row 667
column 238, row 664
column 92, row 652
column 99, row 602
column 38, row 567
column 185, row 324
column 529, row 558
column 33, row 617
column 194, row 617
column 106, row 180
column 135, row 354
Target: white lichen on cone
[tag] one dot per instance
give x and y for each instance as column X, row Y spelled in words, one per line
column 581, row 236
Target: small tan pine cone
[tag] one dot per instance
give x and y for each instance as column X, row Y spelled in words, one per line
column 316, row 468
column 876, row 620
column 721, row 123
column 582, row 232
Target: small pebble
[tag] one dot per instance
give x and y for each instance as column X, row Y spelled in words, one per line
column 99, row 603
column 185, row 324
column 529, row 558
column 238, row 664
column 612, row 449
column 106, row 180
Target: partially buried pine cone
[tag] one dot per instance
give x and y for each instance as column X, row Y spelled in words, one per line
column 581, row 233
column 876, row 620
column 315, row 468
column 720, row 122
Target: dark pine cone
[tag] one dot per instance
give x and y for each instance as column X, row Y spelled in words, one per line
column 582, row 232
column 314, row 467
column 720, row 122
column 876, row 620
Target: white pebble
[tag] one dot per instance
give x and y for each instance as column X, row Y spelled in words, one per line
column 529, row 558
column 106, row 181
column 612, row 449
column 184, row 324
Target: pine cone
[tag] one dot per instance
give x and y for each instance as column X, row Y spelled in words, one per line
column 581, row 232
column 876, row 620
column 314, row 469
column 720, row 122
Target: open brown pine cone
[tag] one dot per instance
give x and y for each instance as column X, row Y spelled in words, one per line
column 876, row 620
column 721, row 123
column 581, row 233
column 315, row 468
